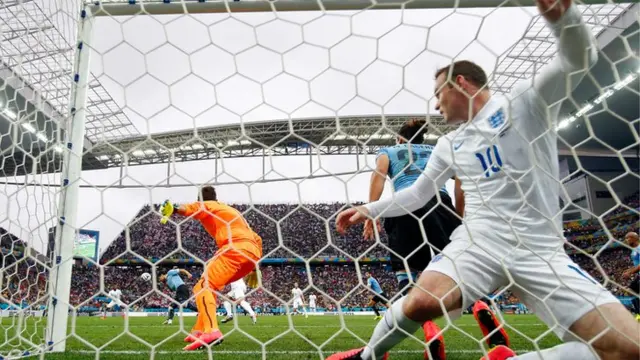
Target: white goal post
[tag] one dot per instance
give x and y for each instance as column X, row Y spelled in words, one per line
column 71, row 175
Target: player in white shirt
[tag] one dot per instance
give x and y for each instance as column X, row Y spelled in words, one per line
column 312, row 303
column 115, row 296
column 237, row 293
column 298, row 300
column 506, row 158
column 114, row 302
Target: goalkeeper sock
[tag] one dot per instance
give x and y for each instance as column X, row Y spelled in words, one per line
column 247, row 307
column 570, row 350
column 206, row 302
column 375, row 310
column 171, row 312
column 386, row 334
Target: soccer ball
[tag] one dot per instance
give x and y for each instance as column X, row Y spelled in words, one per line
column 145, row 276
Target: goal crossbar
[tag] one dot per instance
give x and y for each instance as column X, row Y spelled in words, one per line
column 167, row 7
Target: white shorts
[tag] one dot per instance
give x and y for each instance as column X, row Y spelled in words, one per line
column 237, row 295
column 112, row 303
column 297, row 303
column 549, row 283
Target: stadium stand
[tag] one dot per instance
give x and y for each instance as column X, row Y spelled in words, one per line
column 332, row 273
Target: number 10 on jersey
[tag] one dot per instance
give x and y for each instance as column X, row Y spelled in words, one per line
column 486, row 160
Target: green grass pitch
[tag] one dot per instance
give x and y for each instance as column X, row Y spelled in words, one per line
column 284, row 338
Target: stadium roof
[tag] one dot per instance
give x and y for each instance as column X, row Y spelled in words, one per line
column 35, row 78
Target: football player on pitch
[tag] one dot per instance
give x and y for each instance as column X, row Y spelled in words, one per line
column 403, row 164
column 239, row 250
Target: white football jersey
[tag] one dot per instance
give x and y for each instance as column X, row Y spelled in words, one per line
column 312, row 299
column 297, row 293
column 239, row 286
column 507, row 160
column 115, row 294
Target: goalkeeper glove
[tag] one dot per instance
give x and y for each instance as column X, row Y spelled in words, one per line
column 253, row 279
column 166, row 210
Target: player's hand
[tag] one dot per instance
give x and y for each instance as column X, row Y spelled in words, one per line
column 350, row 217
column 368, row 232
column 552, row 10
column 627, row 273
column 166, row 210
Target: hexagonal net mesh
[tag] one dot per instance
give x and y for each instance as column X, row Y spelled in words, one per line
column 115, row 117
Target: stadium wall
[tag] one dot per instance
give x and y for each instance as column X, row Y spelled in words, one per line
column 601, row 198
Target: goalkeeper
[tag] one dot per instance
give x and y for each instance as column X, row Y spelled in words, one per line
column 239, row 250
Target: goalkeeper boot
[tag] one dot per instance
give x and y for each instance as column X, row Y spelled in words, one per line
column 637, row 317
column 193, row 336
column 499, row 352
column 353, row 355
column 167, row 322
column 226, row 319
column 433, row 333
column 213, row 338
column 489, row 324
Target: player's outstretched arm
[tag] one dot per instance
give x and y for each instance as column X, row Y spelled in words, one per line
column 577, row 50
column 630, row 271
column 376, row 188
column 186, row 273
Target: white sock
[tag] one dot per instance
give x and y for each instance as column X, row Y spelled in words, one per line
column 245, row 305
column 386, row 335
column 227, row 306
column 570, row 350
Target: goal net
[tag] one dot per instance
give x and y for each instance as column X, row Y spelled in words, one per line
column 107, row 109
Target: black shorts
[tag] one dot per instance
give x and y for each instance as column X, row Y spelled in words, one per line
column 380, row 298
column 635, row 285
column 405, row 236
column 182, row 294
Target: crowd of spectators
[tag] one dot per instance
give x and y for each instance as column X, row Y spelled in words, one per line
column 330, row 283
column 305, row 232
column 288, row 231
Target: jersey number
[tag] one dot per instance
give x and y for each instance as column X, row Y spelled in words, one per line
column 409, row 169
column 487, row 162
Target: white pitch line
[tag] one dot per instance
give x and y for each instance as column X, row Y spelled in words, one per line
column 286, row 326
column 250, row 352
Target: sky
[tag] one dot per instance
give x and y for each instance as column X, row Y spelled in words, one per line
column 172, row 73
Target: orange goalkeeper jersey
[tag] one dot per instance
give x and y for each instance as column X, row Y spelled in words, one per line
column 221, row 221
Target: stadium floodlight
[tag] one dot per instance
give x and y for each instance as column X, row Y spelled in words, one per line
column 42, row 137
column 29, row 127
column 177, row 62
column 598, row 100
column 10, row 113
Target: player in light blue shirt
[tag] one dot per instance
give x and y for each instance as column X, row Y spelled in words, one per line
column 632, row 240
column 379, row 296
column 175, row 283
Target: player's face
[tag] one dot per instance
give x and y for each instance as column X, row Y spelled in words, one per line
column 452, row 104
column 631, row 240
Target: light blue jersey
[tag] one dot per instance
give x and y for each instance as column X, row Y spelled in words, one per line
column 635, row 256
column 406, row 163
column 174, row 280
column 374, row 285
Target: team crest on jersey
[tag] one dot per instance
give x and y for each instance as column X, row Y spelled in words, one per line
column 497, row 119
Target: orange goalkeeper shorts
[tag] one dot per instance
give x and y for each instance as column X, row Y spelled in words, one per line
column 230, row 263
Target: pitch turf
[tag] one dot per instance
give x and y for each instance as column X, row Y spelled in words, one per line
column 283, row 338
